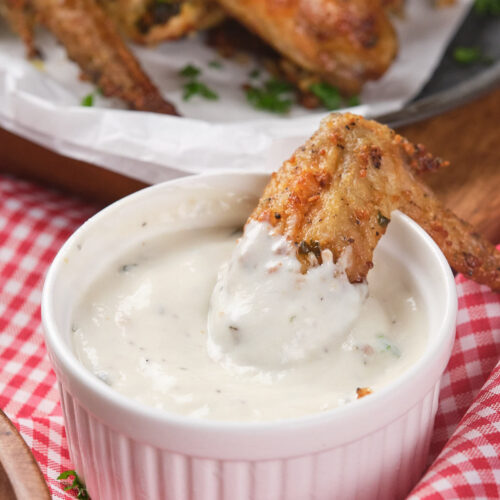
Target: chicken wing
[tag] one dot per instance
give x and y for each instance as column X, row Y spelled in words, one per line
column 91, row 40
column 150, row 22
column 346, row 43
column 337, row 192
column 21, row 18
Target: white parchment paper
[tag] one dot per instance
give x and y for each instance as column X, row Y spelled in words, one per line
column 43, row 105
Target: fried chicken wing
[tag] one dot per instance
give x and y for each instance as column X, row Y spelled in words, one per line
column 20, row 16
column 91, row 40
column 337, row 192
column 346, row 43
column 150, row 22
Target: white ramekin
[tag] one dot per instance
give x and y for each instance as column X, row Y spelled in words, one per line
column 373, row 448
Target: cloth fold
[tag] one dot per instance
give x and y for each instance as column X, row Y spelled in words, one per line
column 35, row 222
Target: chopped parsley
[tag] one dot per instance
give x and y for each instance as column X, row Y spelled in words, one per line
column 276, row 86
column 278, row 95
column 198, row 88
column 77, row 484
column 487, row 7
column 88, row 100
column 255, row 73
column 215, row 64
column 194, row 87
column 190, row 71
column 470, row 55
column 382, row 219
column 330, row 96
column 327, row 94
column 353, row 101
column 313, row 246
column 274, row 95
column 388, row 346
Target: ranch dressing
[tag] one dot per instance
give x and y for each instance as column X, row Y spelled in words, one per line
column 141, row 327
column 265, row 313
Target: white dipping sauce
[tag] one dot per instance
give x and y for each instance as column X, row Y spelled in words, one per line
column 141, row 327
column 265, row 313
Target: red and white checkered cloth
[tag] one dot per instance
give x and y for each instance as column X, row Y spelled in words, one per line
column 34, row 223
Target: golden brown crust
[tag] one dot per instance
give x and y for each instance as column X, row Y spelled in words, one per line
column 339, row 189
column 20, row 16
column 346, row 43
column 151, row 22
column 91, row 40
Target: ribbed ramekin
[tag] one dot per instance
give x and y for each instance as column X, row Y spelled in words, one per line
column 373, row 448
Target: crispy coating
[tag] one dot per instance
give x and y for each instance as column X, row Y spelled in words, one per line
column 91, row 40
column 345, row 43
column 20, row 16
column 361, row 392
column 150, row 22
column 337, row 192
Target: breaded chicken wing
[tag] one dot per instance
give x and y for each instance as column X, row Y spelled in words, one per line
column 150, row 22
column 91, row 40
column 337, row 192
column 21, row 18
column 345, row 43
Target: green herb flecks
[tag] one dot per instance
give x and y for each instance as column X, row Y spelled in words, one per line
column 274, row 95
column 193, row 87
column 386, row 345
column 198, row 88
column 313, row 247
column 77, row 484
column 278, row 87
column 255, row 73
column 382, row 219
column 190, row 71
column 353, row 101
column 330, row 96
column 215, row 64
column 88, row 100
column 487, row 7
column 470, row 55
column 327, row 94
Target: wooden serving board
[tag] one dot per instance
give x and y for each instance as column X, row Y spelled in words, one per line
column 20, row 476
column 468, row 136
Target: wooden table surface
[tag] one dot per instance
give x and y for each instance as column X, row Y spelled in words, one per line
column 468, row 136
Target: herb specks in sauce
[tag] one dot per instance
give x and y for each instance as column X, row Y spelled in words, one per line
column 121, row 323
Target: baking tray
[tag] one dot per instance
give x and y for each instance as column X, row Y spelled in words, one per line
column 454, row 84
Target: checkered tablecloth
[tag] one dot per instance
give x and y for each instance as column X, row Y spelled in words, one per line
column 34, row 222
